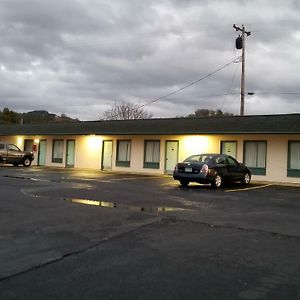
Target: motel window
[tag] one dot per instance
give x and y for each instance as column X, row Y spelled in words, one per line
column 58, row 151
column 123, row 153
column 294, row 159
column 152, row 154
column 255, row 153
column 28, row 145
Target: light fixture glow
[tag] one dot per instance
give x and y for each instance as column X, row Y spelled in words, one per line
column 19, row 141
column 196, row 144
column 93, row 142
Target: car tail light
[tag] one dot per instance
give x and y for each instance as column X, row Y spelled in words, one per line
column 204, row 170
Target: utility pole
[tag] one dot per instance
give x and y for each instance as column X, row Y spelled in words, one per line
column 240, row 44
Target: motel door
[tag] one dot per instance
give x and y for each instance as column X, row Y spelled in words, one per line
column 107, row 155
column 171, row 156
column 229, row 148
column 70, row 157
column 28, row 145
column 42, row 153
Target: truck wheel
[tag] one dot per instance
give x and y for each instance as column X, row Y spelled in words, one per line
column 26, row 162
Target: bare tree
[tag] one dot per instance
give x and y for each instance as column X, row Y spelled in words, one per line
column 125, row 111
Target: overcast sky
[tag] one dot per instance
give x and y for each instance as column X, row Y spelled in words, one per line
column 80, row 56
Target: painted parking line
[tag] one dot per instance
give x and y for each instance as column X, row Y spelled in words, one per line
column 149, row 209
column 177, row 184
column 170, row 183
column 134, row 178
column 227, row 191
column 249, row 188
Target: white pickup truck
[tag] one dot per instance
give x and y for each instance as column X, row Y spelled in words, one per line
column 11, row 154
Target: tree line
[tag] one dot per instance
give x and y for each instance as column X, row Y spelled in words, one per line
column 8, row 116
column 130, row 111
column 119, row 111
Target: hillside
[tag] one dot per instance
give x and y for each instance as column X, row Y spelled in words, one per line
column 8, row 116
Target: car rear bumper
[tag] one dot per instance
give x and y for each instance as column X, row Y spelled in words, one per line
column 201, row 178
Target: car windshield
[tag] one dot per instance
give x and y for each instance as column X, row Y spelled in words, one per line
column 200, row 158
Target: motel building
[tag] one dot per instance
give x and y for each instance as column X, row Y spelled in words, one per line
column 269, row 145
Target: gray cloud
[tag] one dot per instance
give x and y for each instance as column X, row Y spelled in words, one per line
column 79, row 57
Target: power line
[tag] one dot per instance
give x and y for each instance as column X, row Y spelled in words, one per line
column 190, row 84
column 250, row 94
column 218, row 95
column 230, row 86
column 279, row 93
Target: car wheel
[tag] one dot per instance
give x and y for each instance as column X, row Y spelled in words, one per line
column 26, row 162
column 217, row 181
column 184, row 183
column 246, row 179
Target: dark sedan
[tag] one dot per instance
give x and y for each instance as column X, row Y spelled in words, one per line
column 211, row 168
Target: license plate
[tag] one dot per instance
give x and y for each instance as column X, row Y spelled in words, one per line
column 189, row 170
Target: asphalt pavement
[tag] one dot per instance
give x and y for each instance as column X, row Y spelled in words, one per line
column 83, row 234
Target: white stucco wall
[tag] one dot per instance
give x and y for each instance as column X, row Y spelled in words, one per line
column 88, row 151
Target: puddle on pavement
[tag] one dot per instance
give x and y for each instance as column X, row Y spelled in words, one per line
column 123, row 206
column 25, row 178
column 59, row 180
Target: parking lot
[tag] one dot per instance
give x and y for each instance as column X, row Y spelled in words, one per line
column 85, row 234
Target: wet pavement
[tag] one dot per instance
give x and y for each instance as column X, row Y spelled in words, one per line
column 85, row 234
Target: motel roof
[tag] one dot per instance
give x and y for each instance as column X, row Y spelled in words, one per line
column 259, row 124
